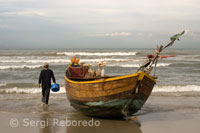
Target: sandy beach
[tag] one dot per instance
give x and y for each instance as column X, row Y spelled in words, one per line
column 161, row 114
column 171, row 115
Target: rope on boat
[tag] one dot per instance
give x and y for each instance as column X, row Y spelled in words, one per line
column 150, row 63
column 135, row 90
column 157, row 55
column 125, row 109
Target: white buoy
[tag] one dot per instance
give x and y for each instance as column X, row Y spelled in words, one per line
column 102, row 72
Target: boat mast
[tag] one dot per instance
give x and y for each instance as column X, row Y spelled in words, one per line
column 147, row 67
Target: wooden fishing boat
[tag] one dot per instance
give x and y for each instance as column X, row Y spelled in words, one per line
column 114, row 96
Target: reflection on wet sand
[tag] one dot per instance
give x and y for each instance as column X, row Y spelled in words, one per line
column 111, row 126
column 46, row 117
column 58, row 110
column 158, row 112
column 58, row 123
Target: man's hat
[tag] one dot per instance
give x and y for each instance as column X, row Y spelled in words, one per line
column 46, row 65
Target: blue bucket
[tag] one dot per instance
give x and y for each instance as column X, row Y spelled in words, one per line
column 55, row 87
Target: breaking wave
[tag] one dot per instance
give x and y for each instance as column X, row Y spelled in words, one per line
column 163, row 64
column 17, row 90
column 97, row 54
column 163, row 89
column 34, row 61
column 2, row 85
column 177, row 88
column 62, row 60
column 20, row 67
column 137, row 65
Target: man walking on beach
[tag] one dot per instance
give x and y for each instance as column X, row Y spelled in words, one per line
column 45, row 78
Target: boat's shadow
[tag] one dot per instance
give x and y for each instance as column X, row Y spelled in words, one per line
column 106, row 125
column 91, row 124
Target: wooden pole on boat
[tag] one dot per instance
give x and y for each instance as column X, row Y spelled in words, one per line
column 159, row 50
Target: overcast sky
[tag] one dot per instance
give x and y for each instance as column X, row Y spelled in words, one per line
column 98, row 23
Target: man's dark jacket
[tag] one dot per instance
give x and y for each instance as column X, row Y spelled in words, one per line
column 45, row 77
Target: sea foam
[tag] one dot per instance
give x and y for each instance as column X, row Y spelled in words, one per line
column 34, row 61
column 20, row 67
column 27, row 90
column 177, row 88
column 163, row 89
column 137, row 65
column 97, row 54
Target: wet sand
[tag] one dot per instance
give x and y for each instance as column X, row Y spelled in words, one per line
column 162, row 114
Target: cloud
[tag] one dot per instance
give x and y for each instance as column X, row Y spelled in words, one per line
column 194, row 34
column 98, row 20
column 111, row 34
column 25, row 13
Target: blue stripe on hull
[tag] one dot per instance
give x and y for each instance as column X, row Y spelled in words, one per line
column 111, row 108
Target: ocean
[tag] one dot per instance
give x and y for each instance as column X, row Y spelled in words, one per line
column 174, row 105
column 19, row 69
